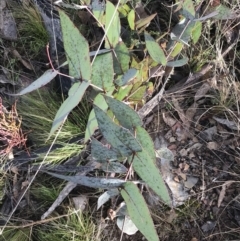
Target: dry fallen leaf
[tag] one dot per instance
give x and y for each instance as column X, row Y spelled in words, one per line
column 172, row 215
column 176, row 179
column 111, row 213
column 182, row 134
column 172, row 147
column 190, row 182
column 80, row 202
column 180, row 112
column 208, row 134
column 5, row 80
column 19, row 57
column 8, row 29
column 230, row 124
column 15, row 182
column 209, row 225
column 183, row 152
column 212, row 145
column 186, row 167
column 201, row 92
column 194, row 239
column 181, row 165
column 223, row 192
column 169, row 120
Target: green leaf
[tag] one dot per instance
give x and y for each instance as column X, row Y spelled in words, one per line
column 127, row 77
column 177, row 49
column 138, row 211
column 115, row 167
column 98, row 10
column 93, row 182
column 103, row 154
column 178, row 63
column 188, row 10
column 183, row 31
column 127, row 117
column 131, row 19
column 225, row 13
column 92, row 124
column 196, row 32
column 122, row 59
column 102, row 72
column 155, row 50
column 75, row 95
column 144, row 163
column 106, row 196
column 138, row 94
column 112, row 26
column 40, row 82
column 76, row 48
column 165, row 153
column 125, row 224
column 123, row 10
column 91, row 54
column 122, row 210
column 98, row 52
column 120, row 138
column 123, row 92
column 146, row 141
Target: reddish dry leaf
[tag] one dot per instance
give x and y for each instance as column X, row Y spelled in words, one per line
column 172, row 147
column 215, row 3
